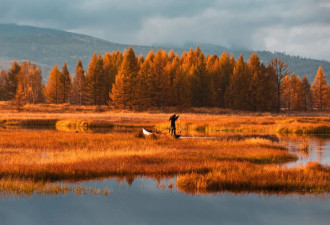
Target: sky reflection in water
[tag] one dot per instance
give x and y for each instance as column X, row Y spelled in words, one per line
column 146, row 202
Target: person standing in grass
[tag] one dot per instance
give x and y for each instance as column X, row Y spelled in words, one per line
column 173, row 118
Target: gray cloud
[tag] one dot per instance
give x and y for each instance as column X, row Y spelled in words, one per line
column 299, row 27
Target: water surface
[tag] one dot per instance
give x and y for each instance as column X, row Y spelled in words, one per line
column 146, row 202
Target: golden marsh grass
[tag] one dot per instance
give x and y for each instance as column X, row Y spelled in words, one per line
column 30, row 159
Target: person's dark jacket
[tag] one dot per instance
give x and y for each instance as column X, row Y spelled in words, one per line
column 173, row 119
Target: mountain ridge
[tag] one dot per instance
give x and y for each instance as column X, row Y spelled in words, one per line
column 47, row 47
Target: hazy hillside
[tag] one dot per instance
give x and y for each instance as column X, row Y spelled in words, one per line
column 48, row 47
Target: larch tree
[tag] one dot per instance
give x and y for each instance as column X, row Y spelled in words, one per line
column 296, row 93
column 262, row 85
column 286, row 92
column 281, row 70
column 159, row 78
column 12, row 80
column 79, row 85
column 256, row 82
column 53, row 87
column 226, row 67
column 307, row 99
column 111, row 65
column 29, row 77
column 173, row 69
column 238, row 90
column 142, row 88
column 96, row 82
column 66, row 84
column 201, row 83
column 320, row 90
column 19, row 100
column 328, row 100
column 35, row 86
column 3, row 85
column 213, row 71
column 122, row 95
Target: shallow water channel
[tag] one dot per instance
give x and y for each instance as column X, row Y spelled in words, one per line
column 149, row 201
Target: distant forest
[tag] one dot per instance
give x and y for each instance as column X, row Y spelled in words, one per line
column 161, row 79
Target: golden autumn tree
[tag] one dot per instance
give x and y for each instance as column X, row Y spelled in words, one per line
column 292, row 93
column 226, row 68
column 142, row 88
column 12, row 80
column 307, row 99
column 320, row 90
column 262, row 85
column 30, row 79
column 181, row 88
column 20, row 99
column 296, row 93
column 213, row 70
column 285, row 92
column 201, row 83
column 79, row 85
column 66, row 84
column 3, row 85
column 187, row 63
column 238, row 89
column 96, row 82
column 159, row 79
column 173, row 69
column 328, row 100
column 122, row 95
column 256, row 90
column 53, row 87
column 111, row 65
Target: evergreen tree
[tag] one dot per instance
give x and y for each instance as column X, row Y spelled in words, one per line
column 320, row 90
column 122, row 94
column 53, row 87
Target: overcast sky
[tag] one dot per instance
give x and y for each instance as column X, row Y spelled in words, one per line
column 297, row 27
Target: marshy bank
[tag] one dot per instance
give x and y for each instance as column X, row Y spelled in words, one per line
column 35, row 159
column 244, row 149
column 190, row 123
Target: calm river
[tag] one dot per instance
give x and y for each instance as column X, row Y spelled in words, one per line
column 147, row 201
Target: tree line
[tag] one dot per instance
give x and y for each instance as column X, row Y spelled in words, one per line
column 164, row 79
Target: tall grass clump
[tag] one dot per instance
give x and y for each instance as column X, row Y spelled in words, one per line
column 237, row 176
